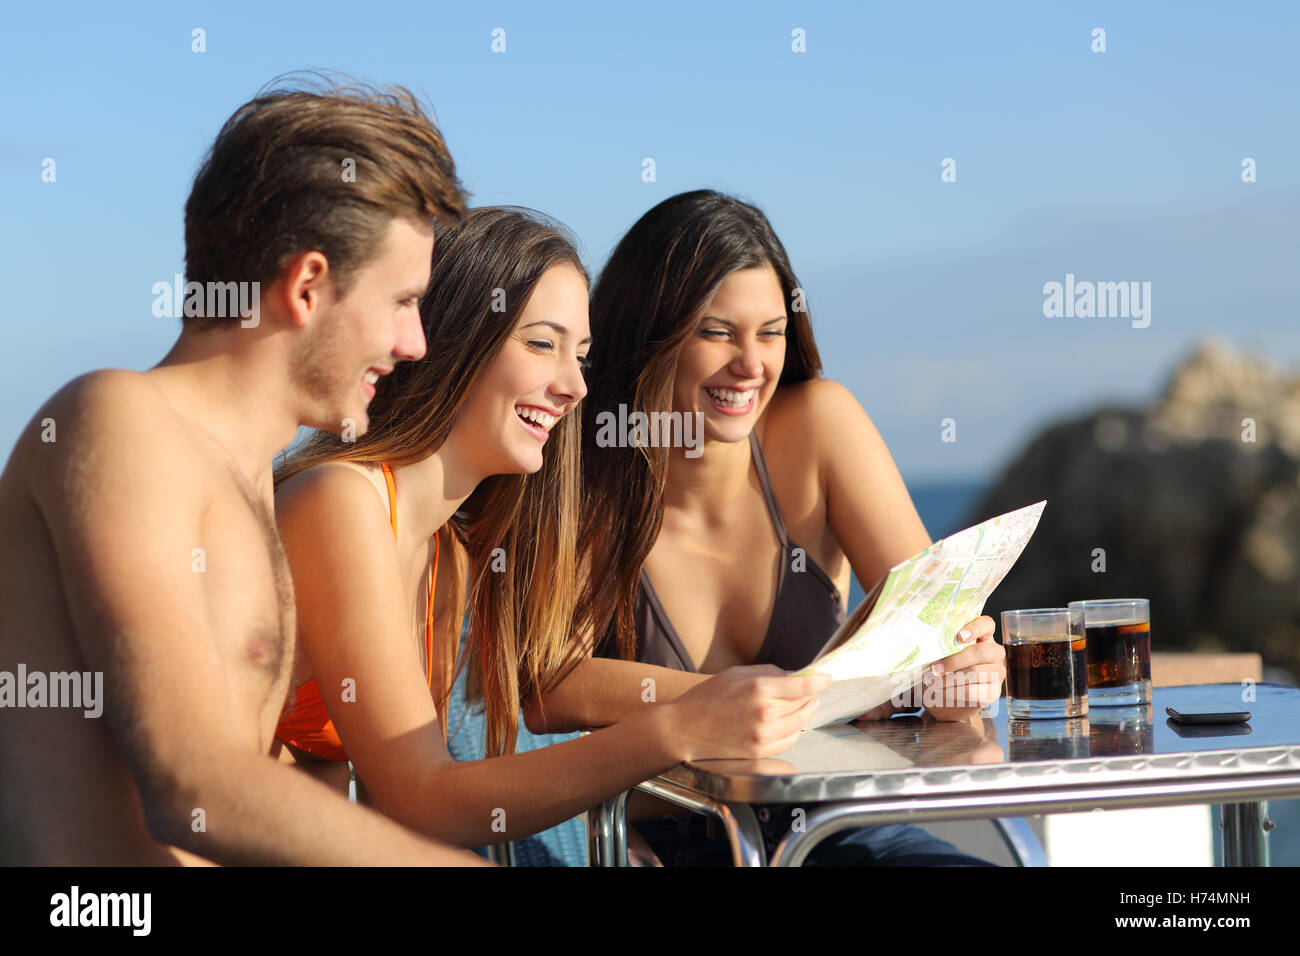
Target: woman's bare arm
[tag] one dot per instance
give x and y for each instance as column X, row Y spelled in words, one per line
column 600, row 691
column 355, row 626
column 872, row 516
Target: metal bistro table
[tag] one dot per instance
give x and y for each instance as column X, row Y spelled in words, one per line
column 916, row 770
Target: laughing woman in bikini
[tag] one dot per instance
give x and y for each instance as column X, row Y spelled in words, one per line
column 465, row 487
column 741, row 554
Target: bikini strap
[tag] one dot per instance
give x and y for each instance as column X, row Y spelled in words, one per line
column 392, row 495
column 428, row 614
column 766, row 484
column 433, row 572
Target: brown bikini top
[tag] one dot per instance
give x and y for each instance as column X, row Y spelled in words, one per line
column 807, row 610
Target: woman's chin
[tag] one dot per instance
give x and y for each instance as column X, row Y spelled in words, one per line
column 728, row 431
column 522, row 462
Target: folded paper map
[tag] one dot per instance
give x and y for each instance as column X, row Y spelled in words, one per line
column 911, row 617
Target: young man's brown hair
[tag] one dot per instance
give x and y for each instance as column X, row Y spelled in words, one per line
column 294, row 169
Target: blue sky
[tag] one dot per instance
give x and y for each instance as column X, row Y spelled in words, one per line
column 926, row 296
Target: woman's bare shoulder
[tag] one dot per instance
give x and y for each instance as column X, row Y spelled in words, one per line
column 813, row 415
column 333, row 485
column 813, row 395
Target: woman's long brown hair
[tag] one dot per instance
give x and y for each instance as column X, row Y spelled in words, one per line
column 519, row 618
column 644, row 307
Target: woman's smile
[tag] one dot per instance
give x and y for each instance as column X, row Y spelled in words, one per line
column 537, row 421
column 731, row 401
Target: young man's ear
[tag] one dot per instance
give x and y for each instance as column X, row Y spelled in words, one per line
column 303, row 288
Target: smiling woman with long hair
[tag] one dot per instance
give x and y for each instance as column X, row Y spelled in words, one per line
column 464, row 491
column 741, row 552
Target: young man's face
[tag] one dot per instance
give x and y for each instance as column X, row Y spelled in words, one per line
column 364, row 334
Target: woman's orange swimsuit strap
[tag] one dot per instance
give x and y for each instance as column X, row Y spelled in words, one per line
column 307, row 724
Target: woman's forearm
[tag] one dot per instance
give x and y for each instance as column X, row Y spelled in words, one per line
column 478, row 802
column 663, row 718
column 602, row 691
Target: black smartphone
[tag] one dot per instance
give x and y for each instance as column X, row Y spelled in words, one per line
column 1198, row 731
column 1208, row 716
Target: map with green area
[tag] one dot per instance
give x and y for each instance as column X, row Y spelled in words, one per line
column 921, row 605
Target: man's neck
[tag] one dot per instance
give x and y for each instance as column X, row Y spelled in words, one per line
column 236, row 391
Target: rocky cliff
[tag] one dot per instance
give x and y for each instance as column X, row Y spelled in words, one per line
column 1193, row 503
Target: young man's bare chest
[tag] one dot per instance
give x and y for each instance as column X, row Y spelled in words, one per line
column 249, row 592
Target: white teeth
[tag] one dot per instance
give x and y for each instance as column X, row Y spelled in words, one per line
column 371, row 377
column 727, row 396
column 535, row 415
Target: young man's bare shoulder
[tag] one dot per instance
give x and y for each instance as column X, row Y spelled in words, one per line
column 97, row 406
column 112, row 420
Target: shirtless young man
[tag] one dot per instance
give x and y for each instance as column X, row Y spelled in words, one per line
column 137, row 530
